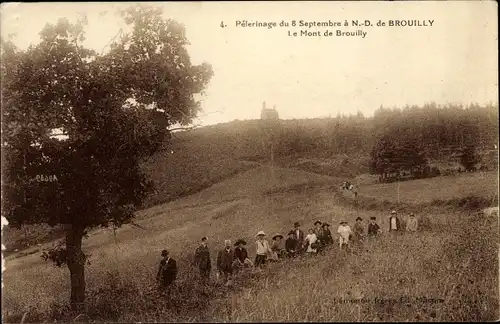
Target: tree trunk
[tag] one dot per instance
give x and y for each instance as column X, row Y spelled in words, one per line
column 76, row 266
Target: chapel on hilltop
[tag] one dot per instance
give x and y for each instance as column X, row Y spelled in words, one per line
column 268, row 113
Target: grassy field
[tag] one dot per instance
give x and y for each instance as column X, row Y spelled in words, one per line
column 442, row 262
column 403, row 278
column 483, row 184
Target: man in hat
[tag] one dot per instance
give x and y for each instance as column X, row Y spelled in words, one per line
column 373, row 228
column 167, row 272
column 358, row 230
column 318, row 231
column 241, row 255
column 411, row 223
column 263, row 249
column 291, row 245
column 202, row 257
column 317, row 228
column 299, row 237
column 278, row 247
column 345, row 233
column 225, row 261
column 394, row 222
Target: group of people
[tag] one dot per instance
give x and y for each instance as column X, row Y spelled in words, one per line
column 231, row 260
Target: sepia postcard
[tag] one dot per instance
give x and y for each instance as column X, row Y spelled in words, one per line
column 272, row 161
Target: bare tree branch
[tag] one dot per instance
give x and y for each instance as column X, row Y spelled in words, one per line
column 111, row 40
column 137, row 225
column 184, row 128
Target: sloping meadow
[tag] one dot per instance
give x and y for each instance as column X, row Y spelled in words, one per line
column 448, row 271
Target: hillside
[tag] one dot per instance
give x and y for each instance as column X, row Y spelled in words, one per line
column 239, row 207
column 198, row 159
column 338, row 147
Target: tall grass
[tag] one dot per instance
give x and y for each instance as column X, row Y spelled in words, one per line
column 453, row 259
column 445, row 276
column 436, row 275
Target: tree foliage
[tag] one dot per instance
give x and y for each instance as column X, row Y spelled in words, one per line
column 114, row 109
column 397, row 156
column 439, row 131
column 469, row 158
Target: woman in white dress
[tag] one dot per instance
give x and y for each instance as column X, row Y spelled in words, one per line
column 311, row 240
column 263, row 249
column 345, row 234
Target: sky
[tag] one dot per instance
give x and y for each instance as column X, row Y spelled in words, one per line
column 454, row 60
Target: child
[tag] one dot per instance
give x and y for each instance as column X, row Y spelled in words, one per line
column 311, row 240
column 373, row 228
column 345, row 233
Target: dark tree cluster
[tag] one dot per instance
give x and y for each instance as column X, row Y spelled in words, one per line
column 469, row 158
column 442, row 132
column 396, row 158
column 439, row 132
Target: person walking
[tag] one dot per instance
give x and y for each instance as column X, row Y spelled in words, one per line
column 394, row 222
column 167, row 272
column 358, row 235
column 373, row 228
column 327, row 238
column 345, row 234
column 278, row 247
column 411, row 223
column 299, row 237
column 291, row 245
column 263, row 249
column 241, row 259
column 202, row 257
column 358, row 230
column 318, row 231
column 311, row 242
column 225, row 259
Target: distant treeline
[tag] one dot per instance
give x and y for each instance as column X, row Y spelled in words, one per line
column 440, row 130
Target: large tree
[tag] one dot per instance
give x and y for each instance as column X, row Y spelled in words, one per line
column 114, row 109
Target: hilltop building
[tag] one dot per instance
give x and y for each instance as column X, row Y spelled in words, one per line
column 268, row 113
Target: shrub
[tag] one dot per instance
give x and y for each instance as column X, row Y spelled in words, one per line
column 435, row 172
column 472, row 202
